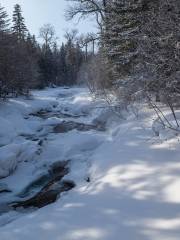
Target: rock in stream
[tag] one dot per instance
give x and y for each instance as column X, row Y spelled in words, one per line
column 67, row 126
column 51, row 184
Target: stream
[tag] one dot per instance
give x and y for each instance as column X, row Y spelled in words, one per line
column 50, row 185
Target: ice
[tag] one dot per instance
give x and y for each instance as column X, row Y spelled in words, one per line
column 127, row 177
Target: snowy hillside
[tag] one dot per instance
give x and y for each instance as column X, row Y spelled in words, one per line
column 125, row 180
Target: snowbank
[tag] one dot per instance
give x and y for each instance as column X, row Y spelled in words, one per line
column 8, row 159
column 128, row 178
column 7, row 132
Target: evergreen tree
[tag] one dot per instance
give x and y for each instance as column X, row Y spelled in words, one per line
column 120, row 37
column 160, row 46
column 73, row 61
column 46, row 66
column 63, row 69
column 19, row 28
column 4, row 21
column 4, row 50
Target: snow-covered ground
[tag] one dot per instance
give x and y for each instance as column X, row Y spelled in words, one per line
column 132, row 192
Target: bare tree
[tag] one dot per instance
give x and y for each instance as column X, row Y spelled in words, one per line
column 47, row 33
column 86, row 8
column 71, row 35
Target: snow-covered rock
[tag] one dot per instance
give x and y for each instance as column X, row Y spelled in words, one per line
column 7, row 131
column 8, row 159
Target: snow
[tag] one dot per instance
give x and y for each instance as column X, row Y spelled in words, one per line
column 11, row 154
column 7, row 132
column 8, row 159
column 133, row 193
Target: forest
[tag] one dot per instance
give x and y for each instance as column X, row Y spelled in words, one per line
column 27, row 64
column 90, row 121
column 138, row 49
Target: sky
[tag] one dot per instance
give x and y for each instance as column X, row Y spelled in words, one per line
column 39, row 12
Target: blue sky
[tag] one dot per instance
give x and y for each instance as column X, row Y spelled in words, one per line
column 39, row 12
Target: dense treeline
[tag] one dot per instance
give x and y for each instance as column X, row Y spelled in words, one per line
column 139, row 48
column 141, row 41
column 25, row 64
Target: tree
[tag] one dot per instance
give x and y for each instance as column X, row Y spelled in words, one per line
column 47, row 64
column 86, row 8
column 4, row 21
column 73, row 57
column 18, row 54
column 4, row 51
column 62, row 67
column 25, row 64
column 19, row 28
column 95, row 73
column 47, row 33
column 46, row 67
column 160, row 46
column 120, row 41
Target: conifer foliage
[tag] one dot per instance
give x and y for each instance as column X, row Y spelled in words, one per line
column 4, row 21
column 25, row 64
column 140, row 43
column 19, row 28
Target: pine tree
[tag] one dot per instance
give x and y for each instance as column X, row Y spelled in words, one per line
column 73, row 61
column 46, row 66
column 142, row 44
column 4, row 50
column 160, row 46
column 4, row 21
column 122, row 29
column 63, row 69
column 120, row 41
column 19, row 28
